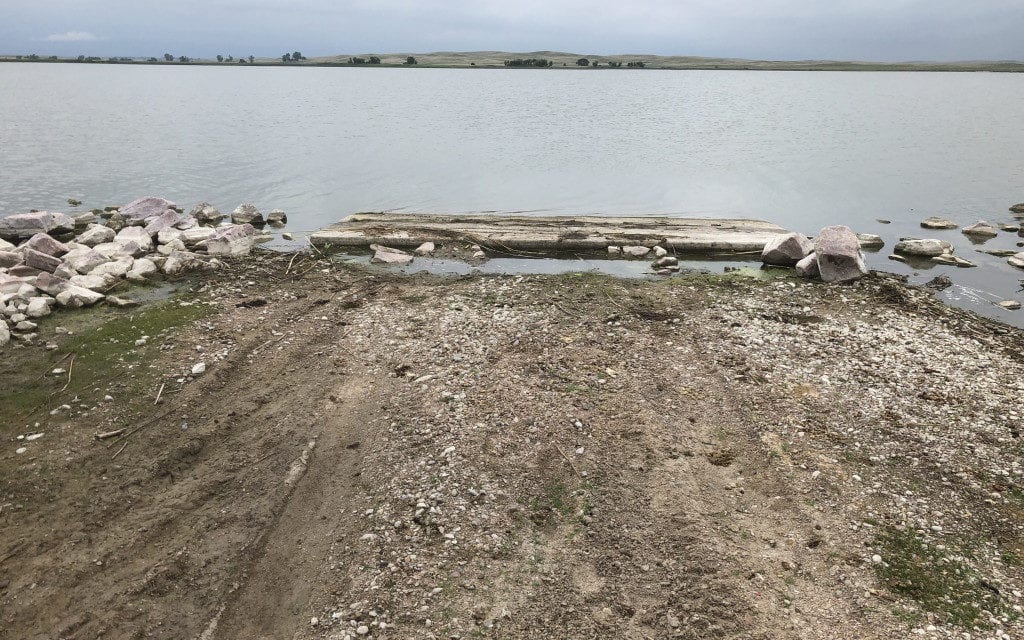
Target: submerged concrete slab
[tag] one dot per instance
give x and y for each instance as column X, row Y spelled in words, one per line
column 551, row 234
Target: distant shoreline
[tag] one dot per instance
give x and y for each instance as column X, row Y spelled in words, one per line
column 494, row 60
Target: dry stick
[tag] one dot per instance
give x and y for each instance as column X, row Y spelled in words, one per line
column 289, row 269
column 109, row 434
column 158, row 393
column 70, row 367
column 571, row 463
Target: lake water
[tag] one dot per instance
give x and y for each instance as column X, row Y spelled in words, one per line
column 803, row 149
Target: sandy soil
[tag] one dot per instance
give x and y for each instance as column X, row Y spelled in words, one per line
column 513, row 457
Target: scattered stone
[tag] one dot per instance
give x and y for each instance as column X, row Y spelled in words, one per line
column 660, row 251
column 883, row 221
column 199, row 368
column 119, row 302
column 915, row 247
column 980, row 229
column 1017, row 208
column 807, row 267
column 140, row 269
column 636, row 251
column 247, row 213
column 1012, row 305
column 939, row 283
column 870, row 241
column 1012, row 228
column 425, row 249
column 838, row 254
column 167, row 220
column 5, row 333
column 786, row 250
column 84, row 260
column 231, row 241
column 143, row 208
column 287, row 235
column 387, row 255
column 1016, row 260
column 50, row 284
column 25, row 225
column 277, row 218
column 665, row 261
column 26, row 325
column 999, row 253
column 935, row 222
column 614, row 250
column 91, row 281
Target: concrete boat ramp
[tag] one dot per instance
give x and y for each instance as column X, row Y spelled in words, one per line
column 548, row 234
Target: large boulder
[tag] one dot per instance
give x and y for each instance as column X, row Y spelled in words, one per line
column 117, row 268
column 167, row 220
column 138, row 235
column 786, row 250
column 140, row 269
column 43, row 243
column 927, row 247
column 6, row 246
column 1017, row 260
column 39, row 306
column 182, row 261
column 145, row 208
column 192, row 237
column 1018, row 208
column 839, row 256
column 75, row 296
column 870, row 241
column 10, row 258
column 247, row 213
column 41, row 261
column 84, row 260
column 96, row 234
column 50, row 284
column 235, row 240
column 277, row 218
column 25, row 225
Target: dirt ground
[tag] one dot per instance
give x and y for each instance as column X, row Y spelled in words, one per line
column 573, row 456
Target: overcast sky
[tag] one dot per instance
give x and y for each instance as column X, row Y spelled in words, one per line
column 763, row 29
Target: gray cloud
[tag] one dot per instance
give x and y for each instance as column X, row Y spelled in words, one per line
column 770, row 29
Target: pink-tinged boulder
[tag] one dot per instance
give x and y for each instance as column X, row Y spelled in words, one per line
column 138, row 235
column 785, row 250
column 96, row 234
column 808, row 266
column 43, row 243
column 50, row 284
column 41, row 261
column 10, row 258
column 182, row 261
column 145, row 208
column 839, row 255
column 235, row 240
column 25, row 225
column 84, row 260
column 169, row 219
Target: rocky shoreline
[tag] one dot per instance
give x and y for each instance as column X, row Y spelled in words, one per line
column 50, row 260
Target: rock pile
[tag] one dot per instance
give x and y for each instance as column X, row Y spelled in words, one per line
column 835, row 254
column 49, row 260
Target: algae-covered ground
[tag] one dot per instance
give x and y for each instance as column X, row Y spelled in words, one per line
column 576, row 456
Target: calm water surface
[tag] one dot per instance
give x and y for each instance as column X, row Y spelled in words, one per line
column 800, row 149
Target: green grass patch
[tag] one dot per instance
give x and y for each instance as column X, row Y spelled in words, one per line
column 938, row 582
column 102, row 343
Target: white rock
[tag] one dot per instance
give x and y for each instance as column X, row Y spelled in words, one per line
column 425, row 249
column 636, row 251
column 76, row 296
column 199, row 369
column 926, row 247
column 138, row 235
column 140, row 269
column 388, row 255
column 236, row 240
column 39, row 306
column 95, row 234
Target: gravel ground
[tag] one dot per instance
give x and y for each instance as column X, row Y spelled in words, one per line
column 515, row 457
